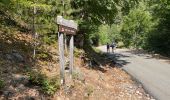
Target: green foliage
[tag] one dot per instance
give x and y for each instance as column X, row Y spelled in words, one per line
column 108, row 34
column 159, row 42
column 104, row 35
column 78, row 52
column 95, row 9
column 5, row 1
column 22, row 12
column 136, row 25
column 147, row 26
column 88, row 13
column 48, row 86
column 49, row 39
column 1, row 83
column 93, row 13
column 43, row 54
column 158, row 39
column 36, row 78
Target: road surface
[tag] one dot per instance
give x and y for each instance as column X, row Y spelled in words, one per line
column 153, row 73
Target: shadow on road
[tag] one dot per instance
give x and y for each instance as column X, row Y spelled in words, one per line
column 118, row 62
column 137, row 52
column 101, row 60
column 148, row 55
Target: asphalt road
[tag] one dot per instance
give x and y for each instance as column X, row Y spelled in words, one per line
column 153, row 73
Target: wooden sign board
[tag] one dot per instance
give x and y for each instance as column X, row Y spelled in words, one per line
column 66, row 26
column 67, row 30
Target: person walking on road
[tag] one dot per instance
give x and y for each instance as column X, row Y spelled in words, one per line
column 108, row 47
column 113, row 45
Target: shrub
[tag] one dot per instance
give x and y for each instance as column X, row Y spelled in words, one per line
column 48, row 86
column 1, row 83
column 78, row 75
column 42, row 56
column 36, row 78
column 89, row 90
column 78, row 52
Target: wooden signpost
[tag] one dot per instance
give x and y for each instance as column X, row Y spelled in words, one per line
column 67, row 27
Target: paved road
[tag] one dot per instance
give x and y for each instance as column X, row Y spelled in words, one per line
column 153, row 73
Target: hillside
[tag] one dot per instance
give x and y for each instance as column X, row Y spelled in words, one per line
column 25, row 78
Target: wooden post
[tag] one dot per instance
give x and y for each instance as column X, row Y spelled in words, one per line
column 61, row 56
column 34, row 31
column 71, row 54
column 65, row 40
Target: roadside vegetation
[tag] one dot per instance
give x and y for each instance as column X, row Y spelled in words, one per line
column 144, row 26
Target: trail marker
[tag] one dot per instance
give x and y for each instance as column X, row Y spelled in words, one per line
column 68, row 27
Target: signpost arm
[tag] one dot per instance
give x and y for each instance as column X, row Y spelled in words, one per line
column 61, row 56
column 71, row 53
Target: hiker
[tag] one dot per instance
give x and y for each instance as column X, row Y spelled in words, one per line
column 108, row 47
column 113, row 45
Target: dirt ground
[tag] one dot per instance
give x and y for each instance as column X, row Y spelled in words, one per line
column 112, row 84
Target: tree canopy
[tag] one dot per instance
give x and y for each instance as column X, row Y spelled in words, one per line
column 137, row 23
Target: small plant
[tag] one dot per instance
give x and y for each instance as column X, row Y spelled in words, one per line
column 78, row 52
column 78, row 75
column 43, row 56
column 48, row 86
column 75, row 75
column 36, row 78
column 49, row 39
column 1, row 83
column 89, row 90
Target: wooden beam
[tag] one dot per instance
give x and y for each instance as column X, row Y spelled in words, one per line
column 67, row 23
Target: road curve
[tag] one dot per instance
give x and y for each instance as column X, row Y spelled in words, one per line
column 153, row 73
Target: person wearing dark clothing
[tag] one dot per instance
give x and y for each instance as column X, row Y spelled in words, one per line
column 113, row 45
column 108, row 47
column 112, row 48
